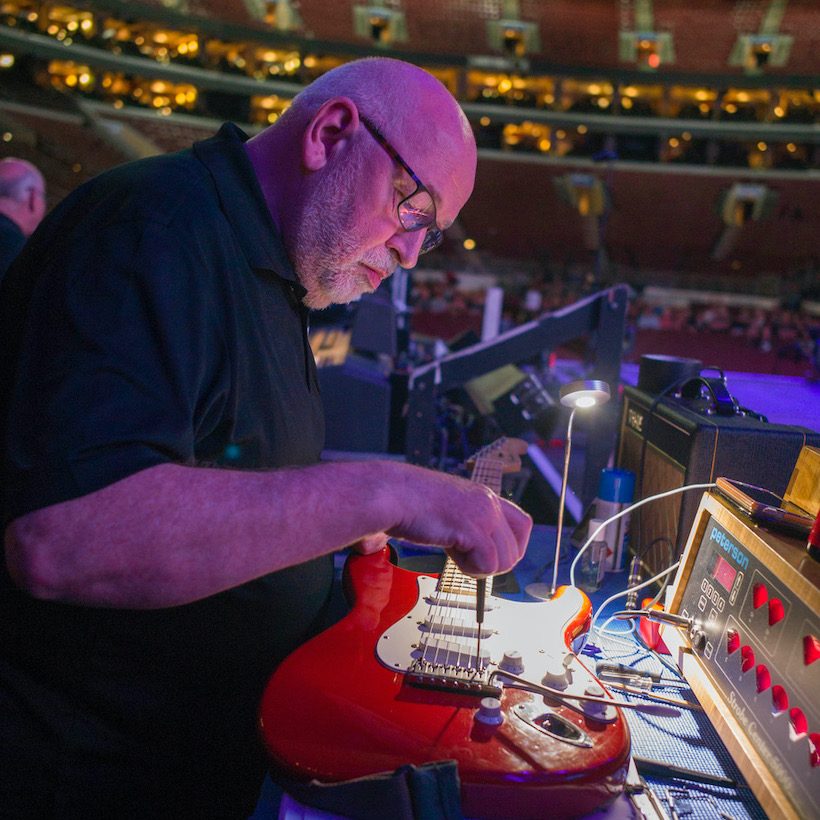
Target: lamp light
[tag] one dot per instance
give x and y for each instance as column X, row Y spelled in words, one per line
column 582, row 394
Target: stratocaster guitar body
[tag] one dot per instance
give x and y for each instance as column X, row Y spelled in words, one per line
column 390, row 684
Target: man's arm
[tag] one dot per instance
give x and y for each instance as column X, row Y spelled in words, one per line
column 170, row 534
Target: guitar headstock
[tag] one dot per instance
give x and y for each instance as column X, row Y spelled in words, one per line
column 504, row 451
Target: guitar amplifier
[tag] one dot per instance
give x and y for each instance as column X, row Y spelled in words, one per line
column 751, row 650
column 667, row 444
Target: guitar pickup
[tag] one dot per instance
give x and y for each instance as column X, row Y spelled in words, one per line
column 452, row 656
column 458, row 602
column 456, row 628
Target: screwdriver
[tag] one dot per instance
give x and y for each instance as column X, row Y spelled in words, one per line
column 480, row 595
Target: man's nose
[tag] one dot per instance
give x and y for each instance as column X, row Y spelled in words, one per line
column 407, row 245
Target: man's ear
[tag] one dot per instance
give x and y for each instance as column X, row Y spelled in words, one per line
column 328, row 130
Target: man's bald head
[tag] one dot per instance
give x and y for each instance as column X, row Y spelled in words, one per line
column 334, row 188
column 388, row 92
column 22, row 193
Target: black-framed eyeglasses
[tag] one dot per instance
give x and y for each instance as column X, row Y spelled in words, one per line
column 418, row 210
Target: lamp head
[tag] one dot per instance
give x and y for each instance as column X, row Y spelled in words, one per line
column 584, row 393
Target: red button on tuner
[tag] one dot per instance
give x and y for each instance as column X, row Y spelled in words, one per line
column 732, row 641
column 811, row 649
column 764, row 679
column 759, row 595
column 776, row 611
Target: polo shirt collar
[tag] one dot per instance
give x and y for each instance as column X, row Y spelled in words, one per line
column 243, row 203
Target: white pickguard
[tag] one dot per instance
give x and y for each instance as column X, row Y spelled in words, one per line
column 442, row 631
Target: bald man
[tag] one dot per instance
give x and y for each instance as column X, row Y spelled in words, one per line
column 22, row 206
column 169, row 531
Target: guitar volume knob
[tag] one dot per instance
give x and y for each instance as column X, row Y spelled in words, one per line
column 489, row 712
column 512, row 662
column 557, row 675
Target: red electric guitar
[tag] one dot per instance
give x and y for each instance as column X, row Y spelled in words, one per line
column 397, row 681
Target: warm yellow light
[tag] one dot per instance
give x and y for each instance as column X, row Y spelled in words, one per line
column 731, row 108
column 674, row 142
column 544, row 144
column 7, row 136
column 594, row 89
column 560, row 133
column 6, row 60
column 118, row 103
column 700, row 94
column 160, row 37
column 703, row 108
column 504, row 86
column 791, row 147
column 87, row 25
column 582, row 129
column 76, row 167
column 630, row 91
column 626, row 103
column 469, row 244
column 84, row 78
column 603, row 102
column 778, row 111
column 485, row 121
column 686, row 135
column 549, row 99
column 309, row 61
column 761, row 146
column 742, row 96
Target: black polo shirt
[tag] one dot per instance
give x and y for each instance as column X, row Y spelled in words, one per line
column 153, row 317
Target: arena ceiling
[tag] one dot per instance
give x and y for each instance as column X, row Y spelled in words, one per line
column 602, row 207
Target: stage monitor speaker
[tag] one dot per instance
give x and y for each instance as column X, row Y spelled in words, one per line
column 674, row 445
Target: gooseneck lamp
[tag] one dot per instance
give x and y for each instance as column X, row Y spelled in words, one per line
column 582, row 394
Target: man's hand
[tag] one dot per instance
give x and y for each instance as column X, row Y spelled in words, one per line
column 483, row 533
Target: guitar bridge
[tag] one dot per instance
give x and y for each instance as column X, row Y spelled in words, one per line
column 458, row 679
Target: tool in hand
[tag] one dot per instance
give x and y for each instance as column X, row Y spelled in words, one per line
column 480, row 595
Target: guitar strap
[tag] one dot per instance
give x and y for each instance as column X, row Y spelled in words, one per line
column 426, row 792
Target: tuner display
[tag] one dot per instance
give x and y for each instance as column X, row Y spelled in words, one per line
column 724, row 573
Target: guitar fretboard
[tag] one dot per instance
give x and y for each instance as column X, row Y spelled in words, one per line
column 487, row 471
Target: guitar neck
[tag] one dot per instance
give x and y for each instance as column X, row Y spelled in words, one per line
column 453, row 581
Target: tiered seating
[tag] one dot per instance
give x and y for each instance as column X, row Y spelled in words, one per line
column 66, row 150
column 167, row 133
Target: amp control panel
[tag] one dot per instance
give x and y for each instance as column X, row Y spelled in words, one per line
column 751, row 652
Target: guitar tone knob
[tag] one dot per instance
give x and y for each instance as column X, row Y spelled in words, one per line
column 489, row 712
column 594, row 709
column 512, row 662
column 557, row 675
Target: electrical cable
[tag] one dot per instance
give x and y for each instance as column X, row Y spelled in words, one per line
column 705, row 486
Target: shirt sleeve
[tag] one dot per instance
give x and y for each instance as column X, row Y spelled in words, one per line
column 120, row 360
